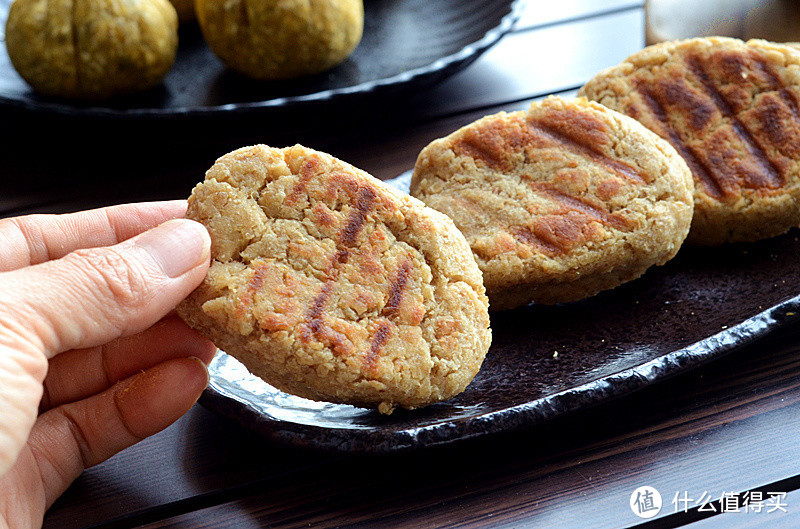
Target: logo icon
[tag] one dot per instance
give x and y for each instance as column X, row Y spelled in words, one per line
column 645, row 502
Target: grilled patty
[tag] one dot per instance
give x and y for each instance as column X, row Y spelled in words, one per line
column 559, row 202
column 332, row 286
column 730, row 109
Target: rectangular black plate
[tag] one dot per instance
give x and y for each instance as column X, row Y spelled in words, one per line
column 547, row 361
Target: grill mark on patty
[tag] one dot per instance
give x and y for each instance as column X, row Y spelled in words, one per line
column 774, row 123
column 774, row 175
column 310, row 167
column 365, row 200
column 790, row 98
column 775, row 83
column 572, row 203
column 381, row 335
column 525, row 235
column 338, row 342
column 347, row 237
column 704, row 174
column 489, row 143
column 389, row 312
column 315, row 312
column 397, row 290
column 582, row 146
column 253, row 285
column 560, row 232
column 495, row 142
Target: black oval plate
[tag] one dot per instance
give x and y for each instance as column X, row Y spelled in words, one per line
column 548, row 361
column 406, row 43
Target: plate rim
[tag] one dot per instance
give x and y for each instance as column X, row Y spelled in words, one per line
column 449, row 64
column 515, row 418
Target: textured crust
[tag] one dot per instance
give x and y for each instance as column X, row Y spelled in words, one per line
column 730, row 108
column 281, row 40
column 559, row 202
column 329, row 285
column 92, row 49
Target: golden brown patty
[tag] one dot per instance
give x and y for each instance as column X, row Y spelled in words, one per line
column 560, row 202
column 330, row 285
column 730, row 108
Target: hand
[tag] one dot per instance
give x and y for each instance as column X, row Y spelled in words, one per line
column 91, row 361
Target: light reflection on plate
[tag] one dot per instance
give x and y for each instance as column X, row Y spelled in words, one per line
column 231, row 379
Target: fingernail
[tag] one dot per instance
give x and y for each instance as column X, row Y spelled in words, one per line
column 204, row 370
column 177, row 245
column 192, row 378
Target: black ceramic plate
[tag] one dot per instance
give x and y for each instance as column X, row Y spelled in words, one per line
column 547, row 361
column 406, row 44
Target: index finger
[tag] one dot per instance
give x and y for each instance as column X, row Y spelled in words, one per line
column 34, row 239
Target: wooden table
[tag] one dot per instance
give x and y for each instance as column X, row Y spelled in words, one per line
column 729, row 426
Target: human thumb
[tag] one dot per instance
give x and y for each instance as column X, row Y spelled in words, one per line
column 92, row 296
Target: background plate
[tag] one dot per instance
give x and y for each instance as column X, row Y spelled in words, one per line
column 547, row 361
column 407, row 43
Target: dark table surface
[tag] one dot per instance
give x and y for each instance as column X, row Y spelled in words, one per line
column 729, row 426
